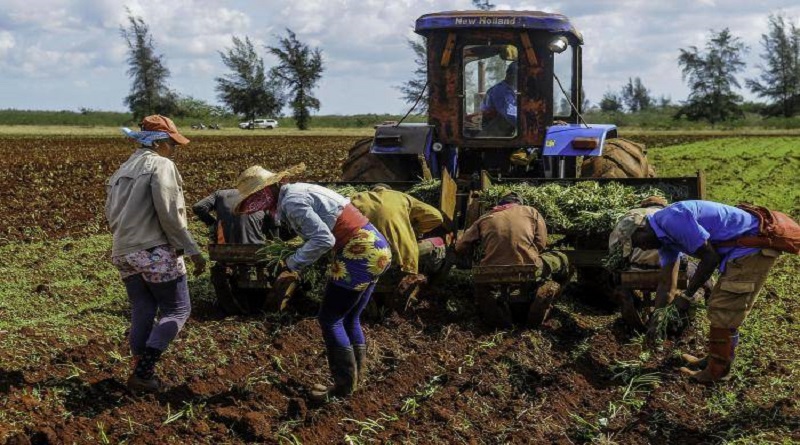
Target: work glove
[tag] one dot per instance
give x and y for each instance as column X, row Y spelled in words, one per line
column 199, row 264
column 284, row 286
column 409, row 286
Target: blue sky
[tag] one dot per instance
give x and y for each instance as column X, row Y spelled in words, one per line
column 68, row 54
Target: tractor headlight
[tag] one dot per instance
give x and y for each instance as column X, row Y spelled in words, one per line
column 558, row 44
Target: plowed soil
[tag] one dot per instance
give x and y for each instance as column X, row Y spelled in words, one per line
column 436, row 374
column 55, row 187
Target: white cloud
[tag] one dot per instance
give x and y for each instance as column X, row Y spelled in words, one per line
column 7, row 43
column 63, row 44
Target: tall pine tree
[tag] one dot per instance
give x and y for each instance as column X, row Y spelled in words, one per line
column 149, row 93
column 246, row 90
column 299, row 69
column 780, row 73
column 712, row 78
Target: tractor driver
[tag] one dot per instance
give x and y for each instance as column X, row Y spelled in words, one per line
column 499, row 106
column 513, row 234
column 403, row 220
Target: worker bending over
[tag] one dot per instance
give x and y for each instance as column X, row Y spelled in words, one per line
column 513, row 234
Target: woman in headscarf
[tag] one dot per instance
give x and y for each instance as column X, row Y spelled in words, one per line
column 146, row 212
column 326, row 221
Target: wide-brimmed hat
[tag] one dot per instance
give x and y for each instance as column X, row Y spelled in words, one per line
column 257, row 177
column 156, row 128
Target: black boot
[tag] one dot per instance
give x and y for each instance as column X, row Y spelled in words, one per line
column 143, row 378
column 361, row 363
column 342, row 362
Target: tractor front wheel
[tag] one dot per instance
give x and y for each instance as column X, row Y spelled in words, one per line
column 363, row 166
column 621, row 159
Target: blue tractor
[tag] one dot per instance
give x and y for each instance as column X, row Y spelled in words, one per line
column 504, row 93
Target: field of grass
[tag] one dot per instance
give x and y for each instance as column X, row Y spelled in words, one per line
column 762, row 170
column 436, row 376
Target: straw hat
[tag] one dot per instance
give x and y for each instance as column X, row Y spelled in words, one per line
column 257, row 178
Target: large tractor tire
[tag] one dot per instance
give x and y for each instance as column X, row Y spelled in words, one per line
column 361, row 165
column 621, row 159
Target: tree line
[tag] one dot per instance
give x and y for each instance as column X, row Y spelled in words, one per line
column 249, row 89
column 711, row 75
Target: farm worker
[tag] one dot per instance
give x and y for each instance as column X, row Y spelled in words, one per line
column 499, row 106
column 638, row 259
column 693, row 228
column 228, row 227
column 403, row 220
column 146, row 212
column 327, row 222
column 513, row 234
column 225, row 227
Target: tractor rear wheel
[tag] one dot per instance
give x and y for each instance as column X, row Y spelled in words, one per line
column 621, row 159
column 361, row 165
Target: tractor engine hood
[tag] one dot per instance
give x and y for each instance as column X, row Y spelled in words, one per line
column 577, row 139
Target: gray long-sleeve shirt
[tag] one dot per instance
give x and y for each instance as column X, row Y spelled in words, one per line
column 242, row 229
column 145, row 205
column 311, row 211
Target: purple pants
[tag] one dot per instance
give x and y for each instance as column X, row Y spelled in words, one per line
column 169, row 300
column 340, row 315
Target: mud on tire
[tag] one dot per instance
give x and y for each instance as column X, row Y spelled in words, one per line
column 621, row 159
column 361, row 165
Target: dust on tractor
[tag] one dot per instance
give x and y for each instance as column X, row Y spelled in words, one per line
column 540, row 138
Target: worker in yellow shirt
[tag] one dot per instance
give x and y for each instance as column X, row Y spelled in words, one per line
column 404, row 220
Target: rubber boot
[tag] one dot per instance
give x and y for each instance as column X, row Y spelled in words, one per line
column 721, row 352
column 694, row 362
column 342, row 362
column 143, row 378
column 360, row 352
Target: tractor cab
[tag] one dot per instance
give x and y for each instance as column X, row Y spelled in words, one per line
column 499, row 79
column 505, row 88
column 504, row 94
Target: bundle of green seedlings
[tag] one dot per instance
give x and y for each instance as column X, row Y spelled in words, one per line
column 426, row 190
column 585, row 208
column 615, row 260
column 667, row 320
column 276, row 251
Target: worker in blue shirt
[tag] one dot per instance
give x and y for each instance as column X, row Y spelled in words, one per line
column 693, row 228
column 499, row 106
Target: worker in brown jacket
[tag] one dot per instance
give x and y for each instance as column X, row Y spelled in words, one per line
column 513, row 234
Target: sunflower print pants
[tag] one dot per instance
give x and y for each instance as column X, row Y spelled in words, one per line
column 361, row 261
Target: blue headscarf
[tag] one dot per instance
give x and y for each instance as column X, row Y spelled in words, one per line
column 145, row 138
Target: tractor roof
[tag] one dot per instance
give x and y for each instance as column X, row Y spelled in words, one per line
column 555, row 23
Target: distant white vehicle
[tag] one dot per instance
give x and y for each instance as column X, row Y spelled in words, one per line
column 259, row 123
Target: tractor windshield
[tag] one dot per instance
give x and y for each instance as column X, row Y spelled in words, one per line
column 562, row 67
column 490, row 91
